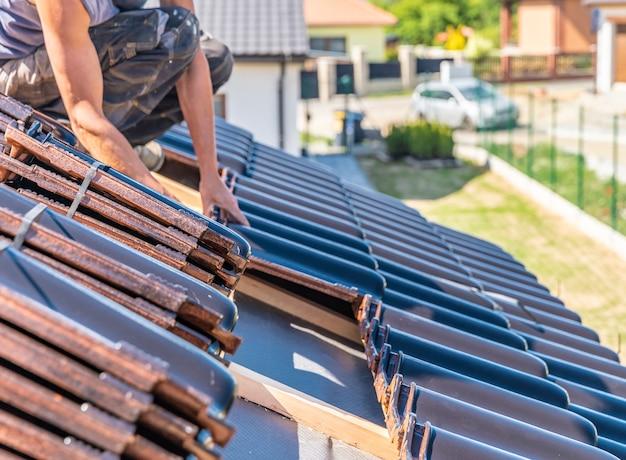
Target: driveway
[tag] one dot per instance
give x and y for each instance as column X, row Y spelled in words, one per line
column 381, row 112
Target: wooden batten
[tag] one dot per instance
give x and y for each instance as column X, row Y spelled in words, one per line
column 313, row 413
column 301, row 307
column 188, row 196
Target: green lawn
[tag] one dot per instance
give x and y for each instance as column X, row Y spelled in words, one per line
column 588, row 277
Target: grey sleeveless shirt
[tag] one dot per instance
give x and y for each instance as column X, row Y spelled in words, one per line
column 20, row 28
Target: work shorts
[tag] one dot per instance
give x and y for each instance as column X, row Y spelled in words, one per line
column 142, row 55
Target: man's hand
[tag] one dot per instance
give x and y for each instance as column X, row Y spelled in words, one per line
column 77, row 72
column 195, row 94
column 214, row 193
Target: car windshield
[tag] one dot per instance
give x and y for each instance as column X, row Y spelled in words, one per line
column 478, row 92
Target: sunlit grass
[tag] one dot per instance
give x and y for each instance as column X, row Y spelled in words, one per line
column 586, row 275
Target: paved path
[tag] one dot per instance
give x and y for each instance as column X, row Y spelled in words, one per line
column 347, row 167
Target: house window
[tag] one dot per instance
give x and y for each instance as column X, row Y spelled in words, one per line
column 329, row 44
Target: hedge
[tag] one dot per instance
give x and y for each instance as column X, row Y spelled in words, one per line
column 421, row 140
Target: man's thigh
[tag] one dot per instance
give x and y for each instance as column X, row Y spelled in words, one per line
column 143, row 54
column 30, row 79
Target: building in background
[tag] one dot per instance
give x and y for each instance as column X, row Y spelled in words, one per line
column 269, row 41
column 552, row 27
column 550, row 39
column 335, row 27
column 609, row 17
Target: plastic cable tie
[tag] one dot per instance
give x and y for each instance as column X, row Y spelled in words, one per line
column 82, row 191
column 27, row 221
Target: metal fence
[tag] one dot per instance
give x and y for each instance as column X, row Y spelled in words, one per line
column 530, row 68
column 384, row 70
column 429, row 65
column 575, row 149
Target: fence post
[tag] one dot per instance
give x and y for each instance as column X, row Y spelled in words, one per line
column 581, row 158
column 531, row 135
column 614, row 181
column 408, row 66
column 361, row 70
column 510, row 128
column 480, row 131
column 327, row 77
column 553, row 172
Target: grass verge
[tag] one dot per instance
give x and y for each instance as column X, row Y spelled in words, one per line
column 587, row 276
column 575, row 182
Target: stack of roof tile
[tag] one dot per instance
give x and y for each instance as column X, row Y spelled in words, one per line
column 472, row 356
column 108, row 349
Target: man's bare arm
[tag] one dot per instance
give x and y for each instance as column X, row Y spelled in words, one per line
column 195, row 95
column 77, row 72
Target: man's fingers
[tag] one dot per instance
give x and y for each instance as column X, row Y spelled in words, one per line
column 239, row 218
column 234, row 214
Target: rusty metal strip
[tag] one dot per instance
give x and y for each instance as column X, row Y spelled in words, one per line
column 30, row 440
column 6, row 455
column 83, row 258
column 177, row 431
column 338, row 291
column 123, row 361
column 117, row 213
column 158, row 316
column 142, row 449
column 98, row 265
column 227, row 278
column 193, row 406
column 104, row 269
column 5, row 121
column 89, row 424
column 62, row 371
column 102, row 390
column 162, row 253
column 78, row 169
column 15, row 109
column 80, row 342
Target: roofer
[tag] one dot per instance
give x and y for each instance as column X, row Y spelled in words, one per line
column 122, row 75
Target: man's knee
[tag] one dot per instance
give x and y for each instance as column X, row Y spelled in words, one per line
column 182, row 33
column 220, row 59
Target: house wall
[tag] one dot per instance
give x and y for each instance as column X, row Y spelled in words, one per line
column 546, row 26
column 575, row 22
column 252, row 102
column 536, row 27
column 371, row 38
column 605, row 67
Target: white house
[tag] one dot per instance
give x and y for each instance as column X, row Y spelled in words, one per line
column 609, row 20
column 269, row 41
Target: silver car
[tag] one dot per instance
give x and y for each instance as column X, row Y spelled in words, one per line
column 464, row 103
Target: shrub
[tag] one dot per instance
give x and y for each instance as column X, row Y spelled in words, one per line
column 421, row 140
column 398, row 142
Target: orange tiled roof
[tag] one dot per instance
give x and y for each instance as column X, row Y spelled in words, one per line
column 345, row 13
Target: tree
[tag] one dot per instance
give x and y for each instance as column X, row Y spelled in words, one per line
column 420, row 20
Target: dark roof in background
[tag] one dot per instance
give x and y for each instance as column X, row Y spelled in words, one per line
column 256, row 28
